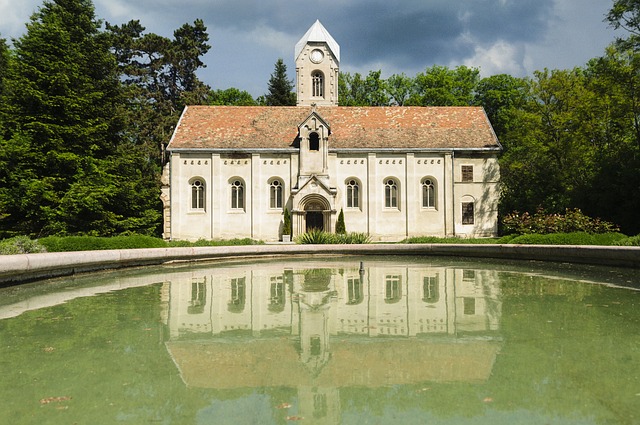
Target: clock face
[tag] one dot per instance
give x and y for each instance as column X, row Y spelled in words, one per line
column 316, row 56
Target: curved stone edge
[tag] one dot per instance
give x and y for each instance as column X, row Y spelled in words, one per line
column 27, row 267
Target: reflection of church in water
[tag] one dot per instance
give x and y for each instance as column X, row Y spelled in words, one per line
column 336, row 325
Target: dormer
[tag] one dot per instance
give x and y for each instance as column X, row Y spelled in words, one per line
column 317, row 58
column 314, row 139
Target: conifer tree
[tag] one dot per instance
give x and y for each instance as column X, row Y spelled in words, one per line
column 341, row 228
column 64, row 167
column 280, row 87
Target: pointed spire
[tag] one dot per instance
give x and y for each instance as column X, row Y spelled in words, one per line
column 319, row 34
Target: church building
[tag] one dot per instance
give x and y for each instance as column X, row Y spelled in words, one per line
column 395, row 172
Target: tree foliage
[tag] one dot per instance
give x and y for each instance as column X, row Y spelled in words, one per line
column 280, row 87
column 231, row 96
column 160, row 79
column 85, row 115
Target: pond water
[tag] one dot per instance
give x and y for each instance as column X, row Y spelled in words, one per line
column 347, row 340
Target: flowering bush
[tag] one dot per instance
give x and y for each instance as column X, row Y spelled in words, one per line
column 573, row 220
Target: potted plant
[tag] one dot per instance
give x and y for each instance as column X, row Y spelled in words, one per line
column 286, row 226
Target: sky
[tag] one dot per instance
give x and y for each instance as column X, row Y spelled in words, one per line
column 515, row 37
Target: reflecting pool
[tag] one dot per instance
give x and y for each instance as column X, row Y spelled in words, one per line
column 370, row 340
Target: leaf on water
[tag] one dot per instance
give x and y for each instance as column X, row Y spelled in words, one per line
column 283, row 406
column 54, row 399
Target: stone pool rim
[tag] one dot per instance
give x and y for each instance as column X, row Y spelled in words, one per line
column 21, row 268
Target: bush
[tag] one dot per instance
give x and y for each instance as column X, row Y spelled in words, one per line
column 353, row 238
column 575, row 238
column 315, row 236
column 630, row 241
column 96, row 243
column 541, row 223
column 286, row 225
column 20, row 245
column 455, row 240
column 341, row 228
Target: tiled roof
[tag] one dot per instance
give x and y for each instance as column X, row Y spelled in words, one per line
column 271, row 127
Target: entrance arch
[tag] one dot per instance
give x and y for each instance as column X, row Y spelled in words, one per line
column 314, row 213
column 314, row 216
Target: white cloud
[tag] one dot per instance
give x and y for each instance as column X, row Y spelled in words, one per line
column 498, row 58
column 270, row 38
column 15, row 14
column 116, row 9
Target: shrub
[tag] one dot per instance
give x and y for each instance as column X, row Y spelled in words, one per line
column 575, row 238
column 572, row 221
column 20, row 245
column 353, row 238
column 454, row 240
column 630, row 241
column 315, row 236
column 286, row 225
column 224, row 242
column 340, row 226
column 96, row 243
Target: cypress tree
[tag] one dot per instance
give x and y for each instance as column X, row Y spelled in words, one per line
column 340, row 226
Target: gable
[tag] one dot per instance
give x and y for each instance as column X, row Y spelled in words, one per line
column 370, row 128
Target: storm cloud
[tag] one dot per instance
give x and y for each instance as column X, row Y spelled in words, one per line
column 498, row 36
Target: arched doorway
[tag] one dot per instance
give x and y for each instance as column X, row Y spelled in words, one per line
column 314, row 212
column 314, row 216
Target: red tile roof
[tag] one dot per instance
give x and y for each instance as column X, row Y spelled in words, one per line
column 270, row 127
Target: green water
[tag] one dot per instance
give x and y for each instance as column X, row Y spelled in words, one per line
column 404, row 340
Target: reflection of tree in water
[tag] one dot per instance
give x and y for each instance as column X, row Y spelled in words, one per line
column 316, row 280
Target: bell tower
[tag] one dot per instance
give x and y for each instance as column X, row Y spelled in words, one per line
column 317, row 57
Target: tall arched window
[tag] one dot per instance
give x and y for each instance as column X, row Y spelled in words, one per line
column 430, row 289
column 390, row 194
column 353, row 194
column 393, row 289
column 275, row 194
column 197, row 194
column 314, row 142
column 428, row 193
column 237, row 195
column 468, row 213
column 317, row 84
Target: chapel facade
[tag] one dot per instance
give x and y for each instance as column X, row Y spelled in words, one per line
column 395, row 172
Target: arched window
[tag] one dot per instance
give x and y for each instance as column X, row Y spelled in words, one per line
column 468, row 213
column 393, row 289
column 390, row 194
column 275, row 194
column 317, row 84
column 237, row 195
column 197, row 194
column 314, row 142
column 430, row 289
column 428, row 193
column 353, row 194
column 355, row 291
column 238, row 295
